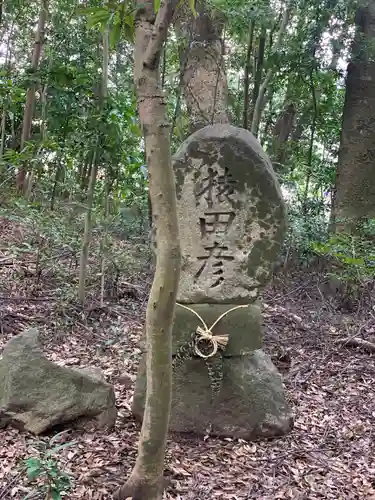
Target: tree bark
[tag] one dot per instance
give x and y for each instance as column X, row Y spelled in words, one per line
column 204, row 78
column 280, row 135
column 245, row 118
column 354, row 199
column 30, row 95
column 146, row 479
column 87, row 232
column 97, row 156
column 260, row 101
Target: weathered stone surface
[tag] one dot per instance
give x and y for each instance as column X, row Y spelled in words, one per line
column 231, row 215
column 251, row 402
column 36, row 394
column 243, row 325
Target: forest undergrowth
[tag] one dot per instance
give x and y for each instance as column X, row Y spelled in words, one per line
column 329, row 454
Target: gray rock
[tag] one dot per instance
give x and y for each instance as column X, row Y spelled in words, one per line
column 231, row 215
column 251, row 403
column 36, row 394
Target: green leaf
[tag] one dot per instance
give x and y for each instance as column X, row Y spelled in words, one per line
column 114, row 35
column 55, row 494
column 353, row 261
column 102, row 16
column 129, row 21
column 34, row 468
column 32, row 462
column 53, row 472
column 156, row 6
column 128, row 30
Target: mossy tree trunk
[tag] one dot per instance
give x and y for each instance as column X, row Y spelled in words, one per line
column 146, row 479
column 30, row 95
column 354, row 199
column 204, row 78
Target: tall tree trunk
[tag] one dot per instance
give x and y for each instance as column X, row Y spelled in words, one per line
column 245, row 118
column 7, row 65
column 107, row 182
column 258, row 70
column 354, row 199
column 55, row 184
column 87, row 231
column 145, row 481
column 30, row 95
column 3, row 127
column 84, row 172
column 98, row 155
column 311, row 146
column 260, row 101
column 280, row 135
column 269, row 122
column 204, row 77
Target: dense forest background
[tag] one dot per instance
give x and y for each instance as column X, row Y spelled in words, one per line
column 69, row 130
column 75, row 231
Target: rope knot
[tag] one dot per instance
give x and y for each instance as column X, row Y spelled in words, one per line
column 204, row 338
column 213, row 342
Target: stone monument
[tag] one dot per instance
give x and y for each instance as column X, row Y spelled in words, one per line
column 232, row 222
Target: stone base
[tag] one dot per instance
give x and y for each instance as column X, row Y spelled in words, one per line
column 251, row 403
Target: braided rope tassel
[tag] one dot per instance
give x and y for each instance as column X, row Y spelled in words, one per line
column 215, row 374
column 184, row 353
column 214, row 358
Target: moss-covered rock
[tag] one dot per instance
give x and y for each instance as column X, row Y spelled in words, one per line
column 36, row 394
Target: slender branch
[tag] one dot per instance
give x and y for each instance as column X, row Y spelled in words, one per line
column 245, row 118
column 263, row 88
column 311, row 146
column 159, row 33
column 183, row 65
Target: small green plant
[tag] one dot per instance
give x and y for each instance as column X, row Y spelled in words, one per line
column 306, row 227
column 351, row 261
column 353, row 256
column 44, row 471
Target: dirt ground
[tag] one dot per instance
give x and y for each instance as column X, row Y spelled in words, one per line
column 330, row 454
